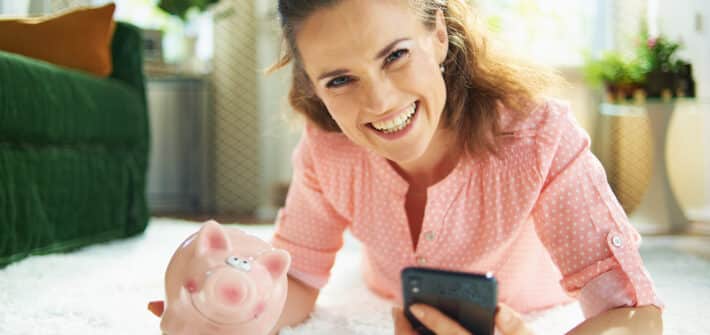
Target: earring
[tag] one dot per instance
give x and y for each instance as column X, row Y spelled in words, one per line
column 441, row 68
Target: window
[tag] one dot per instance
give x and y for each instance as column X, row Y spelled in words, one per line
column 146, row 14
column 552, row 32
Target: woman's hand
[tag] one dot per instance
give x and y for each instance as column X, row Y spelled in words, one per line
column 507, row 321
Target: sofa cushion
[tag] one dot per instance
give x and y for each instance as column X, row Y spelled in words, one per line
column 79, row 39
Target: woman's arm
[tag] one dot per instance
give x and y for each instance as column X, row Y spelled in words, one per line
column 623, row 321
column 300, row 301
column 588, row 235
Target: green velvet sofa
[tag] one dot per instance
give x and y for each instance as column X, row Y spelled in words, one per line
column 73, row 152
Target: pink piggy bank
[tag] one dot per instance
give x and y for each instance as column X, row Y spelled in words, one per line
column 223, row 281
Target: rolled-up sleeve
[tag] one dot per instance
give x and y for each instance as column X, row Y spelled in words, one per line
column 581, row 223
column 308, row 226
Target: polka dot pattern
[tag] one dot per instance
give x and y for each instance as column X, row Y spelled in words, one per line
column 540, row 216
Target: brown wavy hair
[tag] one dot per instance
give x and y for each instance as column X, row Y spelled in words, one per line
column 479, row 80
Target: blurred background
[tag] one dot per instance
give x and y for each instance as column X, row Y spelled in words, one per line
column 222, row 132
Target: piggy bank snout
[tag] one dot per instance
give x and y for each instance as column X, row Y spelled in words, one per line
column 229, row 288
column 226, row 297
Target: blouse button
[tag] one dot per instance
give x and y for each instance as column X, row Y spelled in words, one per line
column 429, row 236
column 617, row 241
column 421, row 260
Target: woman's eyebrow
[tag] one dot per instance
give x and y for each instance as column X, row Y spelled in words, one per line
column 386, row 49
column 332, row 73
column 382, row 53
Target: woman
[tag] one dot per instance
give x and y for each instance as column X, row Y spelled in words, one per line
column 435, row 151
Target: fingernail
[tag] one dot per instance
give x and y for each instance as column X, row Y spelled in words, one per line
column 417, row 311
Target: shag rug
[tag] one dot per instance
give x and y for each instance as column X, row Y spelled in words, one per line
column 104, row 289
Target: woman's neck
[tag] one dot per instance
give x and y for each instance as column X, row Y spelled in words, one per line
column 439, row 159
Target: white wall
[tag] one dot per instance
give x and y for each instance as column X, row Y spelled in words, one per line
column 14, row 7
column 689, row 138
column 689, row 22
column 37, row 7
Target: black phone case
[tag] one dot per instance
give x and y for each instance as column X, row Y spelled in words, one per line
column 470, row 299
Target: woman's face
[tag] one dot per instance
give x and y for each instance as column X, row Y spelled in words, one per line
column 375, row 66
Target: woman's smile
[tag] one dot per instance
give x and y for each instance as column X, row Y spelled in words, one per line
column 398, row 125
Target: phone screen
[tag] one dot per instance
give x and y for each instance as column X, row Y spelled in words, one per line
column 469, row 298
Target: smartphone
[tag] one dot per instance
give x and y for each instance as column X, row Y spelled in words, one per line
column 468, row 298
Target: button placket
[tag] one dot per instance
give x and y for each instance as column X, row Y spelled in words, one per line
column 433, row 221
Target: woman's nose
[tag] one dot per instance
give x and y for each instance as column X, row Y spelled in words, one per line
column 377, row 96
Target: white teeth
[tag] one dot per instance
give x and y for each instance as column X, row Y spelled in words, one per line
column 397, row 123
column 401, row 119
column 391, row 123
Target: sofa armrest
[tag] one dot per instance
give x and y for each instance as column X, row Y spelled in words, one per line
column 44, row 104
column 127, row 56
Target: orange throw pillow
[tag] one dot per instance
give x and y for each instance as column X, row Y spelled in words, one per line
column 79, row 39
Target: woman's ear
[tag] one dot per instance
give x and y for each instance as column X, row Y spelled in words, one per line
column 442, row 36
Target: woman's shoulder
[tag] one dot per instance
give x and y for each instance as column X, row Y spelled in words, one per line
column 329, row 151
column 542, row 116
column 328, row 141
column 334, row 162
column 541, row 130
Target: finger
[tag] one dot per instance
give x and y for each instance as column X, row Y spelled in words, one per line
column 509, row 322
column 401, row 324
column 437, row 321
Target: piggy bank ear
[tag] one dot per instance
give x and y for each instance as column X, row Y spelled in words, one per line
column 212, row 238
column 276, row 261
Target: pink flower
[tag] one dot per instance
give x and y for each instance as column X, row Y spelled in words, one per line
column 651, row 42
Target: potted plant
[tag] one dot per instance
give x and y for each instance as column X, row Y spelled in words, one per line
column 653, row 71
column 181, row 8
column 665, row 73
column 620, row 77
column 188, row 11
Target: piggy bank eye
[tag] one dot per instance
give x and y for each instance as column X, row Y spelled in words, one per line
column 241, row 264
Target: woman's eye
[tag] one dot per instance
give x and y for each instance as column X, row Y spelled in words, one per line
column 337, row 82
column 396, row 55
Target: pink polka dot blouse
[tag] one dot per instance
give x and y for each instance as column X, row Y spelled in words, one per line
column 540, row 216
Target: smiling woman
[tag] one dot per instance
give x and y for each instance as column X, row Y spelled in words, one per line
column 417, row 128
column 404, row 56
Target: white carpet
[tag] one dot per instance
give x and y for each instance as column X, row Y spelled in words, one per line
column 104, row 289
